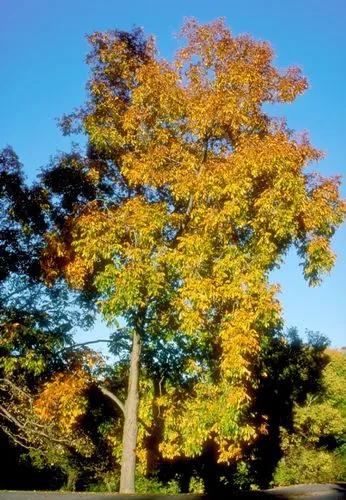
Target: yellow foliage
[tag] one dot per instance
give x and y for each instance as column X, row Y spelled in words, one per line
column 62, row 399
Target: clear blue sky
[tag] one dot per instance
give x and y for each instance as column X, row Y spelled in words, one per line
column 43, row 76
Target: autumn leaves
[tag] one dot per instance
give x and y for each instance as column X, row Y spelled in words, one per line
column 205, row 194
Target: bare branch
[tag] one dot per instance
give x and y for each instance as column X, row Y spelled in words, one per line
column 121, row 405
column 6, row 414
column 15, row 438
column 113, row 397
column 16, row 388
column 82, row 344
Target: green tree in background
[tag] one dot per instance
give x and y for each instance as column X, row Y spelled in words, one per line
column 314, row 450
column 36, row 322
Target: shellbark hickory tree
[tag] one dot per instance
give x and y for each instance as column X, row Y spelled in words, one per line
column 205, row 194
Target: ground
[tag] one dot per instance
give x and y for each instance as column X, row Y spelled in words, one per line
column 304, row 491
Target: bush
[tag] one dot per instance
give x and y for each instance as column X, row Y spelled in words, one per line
column 109, row 484
column 145, row 485
column 301, row 465
column 196, row 485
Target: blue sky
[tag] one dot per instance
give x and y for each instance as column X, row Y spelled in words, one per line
column 43, row 48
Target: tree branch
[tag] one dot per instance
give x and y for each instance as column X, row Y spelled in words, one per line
column 192, row 195
column 15, row 438
column 16, row 388
column 5, row 413
column 113, row 397
column 120, row 404
column 70, row 348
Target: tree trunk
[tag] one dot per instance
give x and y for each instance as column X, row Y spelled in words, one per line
column 128, row 459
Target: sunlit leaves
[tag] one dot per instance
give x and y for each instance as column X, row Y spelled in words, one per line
column 314, row 447
column 62, row 399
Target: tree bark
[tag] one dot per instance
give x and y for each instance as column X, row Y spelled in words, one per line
column 128, row 460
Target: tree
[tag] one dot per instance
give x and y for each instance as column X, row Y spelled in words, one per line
column 22, row 220
column 208, row 192
column 314, row 448
column 289, row 371
column 36, row 322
